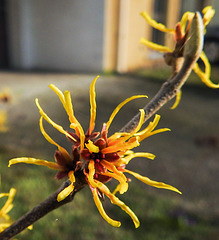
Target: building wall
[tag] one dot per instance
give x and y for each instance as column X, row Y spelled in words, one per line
column 57, row 35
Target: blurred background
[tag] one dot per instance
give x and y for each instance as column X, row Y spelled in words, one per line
column 68, row 43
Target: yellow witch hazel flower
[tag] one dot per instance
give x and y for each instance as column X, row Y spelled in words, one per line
column 5, row 220
column 180, row 35
column 5, row 95
column 96, row 158
column 3, row 120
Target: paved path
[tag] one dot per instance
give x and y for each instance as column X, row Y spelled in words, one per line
column 187, row 157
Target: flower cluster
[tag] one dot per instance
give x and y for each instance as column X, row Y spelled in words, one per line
column 180, row 34
column 96, row 158
column 5, row 220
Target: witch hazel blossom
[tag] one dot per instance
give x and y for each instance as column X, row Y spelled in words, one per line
column 180, row 34
column 96, row 158
column 5, row 220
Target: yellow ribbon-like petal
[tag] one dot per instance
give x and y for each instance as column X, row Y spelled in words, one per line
column 124, row 207
column 155, row 46
column 67, row 104
column 8, row 205
column 69, row 108
column 128, row 135
column 94, row 183
column 66, row 101
column 205, row 76
column 156, row 25
column 125, row 160
column 187, row 16
column 116, row 110
column 91, row 147
column 148, row 131
column 102, row 211
column 117, row 175
column 68, row 190
column 208, row 13
column 151, row 182
column 91, row 173
column 132, row 143
column 35, row 161
column 50, row 140
column 151, row 126
column 3, row 120
column 50, row 121
column 103, row 188
column 93, row 105
column 58, row 92
column 178, row 97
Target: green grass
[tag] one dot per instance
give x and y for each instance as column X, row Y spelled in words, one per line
column 161, row 218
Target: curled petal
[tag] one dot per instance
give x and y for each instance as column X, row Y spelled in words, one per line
column 101, row 210
column 154, row 24
column 125, row 160
column 117, row 175
column 93, row 105
column 91, row 147
column 68, row 190
column 35, row 161
column 117, row 135
column 120, row 106
column 90, row 175
column 50, row 140
column 67, row 104
column 69, row 108
column 155, row 46
column 3, row 120
column 50, row 121
column 151, row 182
column 8, row 205
column 140, row 123
column 205, row 76
column 124, row 207
column 58, row 92
column 208, row 13
column 79, row 130
column 127, row 136
column 132, row 143
column 178, row 97
column 103, row 188
column 66, row 101
column 3, row 226
column 92, row 182
column 74, row 122
column 148, row 131
column 187, row 16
